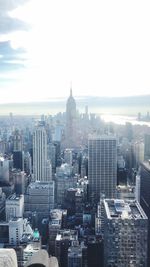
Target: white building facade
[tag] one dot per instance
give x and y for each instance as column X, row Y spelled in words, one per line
column 14, row 207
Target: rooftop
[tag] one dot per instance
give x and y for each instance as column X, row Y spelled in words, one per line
column 15, row 219
column 146, row 164
column 15, row 197
column 102, row 137
column 66, row 234
column 30, row 248
column 123, row 209
column 39, row 185
column 75, row 251
column 56, row 214
column 79, row 192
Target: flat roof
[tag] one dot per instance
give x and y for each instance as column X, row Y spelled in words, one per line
column 56, row 214
column 14, row 197
column 15, row 219
column 123, row 209
column 39, row 185
column 102, row 137
column 66, row 234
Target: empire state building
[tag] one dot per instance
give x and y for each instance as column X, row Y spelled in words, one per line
column 71, row 121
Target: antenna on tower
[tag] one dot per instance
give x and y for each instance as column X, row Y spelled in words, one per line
column 71, row 88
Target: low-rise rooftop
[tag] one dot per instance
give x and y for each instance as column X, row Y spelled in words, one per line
column 15, row 197
column 66, row 234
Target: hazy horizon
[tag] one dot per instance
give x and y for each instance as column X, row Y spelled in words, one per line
column 99, row 105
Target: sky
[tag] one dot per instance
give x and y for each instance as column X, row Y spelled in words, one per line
column 101, row 47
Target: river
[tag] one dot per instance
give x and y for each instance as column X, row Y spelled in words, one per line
column 121, row 119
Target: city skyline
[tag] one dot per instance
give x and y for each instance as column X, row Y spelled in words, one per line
column 73, row 185
column 102, row 47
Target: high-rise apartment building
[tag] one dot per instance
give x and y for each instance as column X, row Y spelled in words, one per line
column 40, row 153
column 102, row 166
column 125, row 234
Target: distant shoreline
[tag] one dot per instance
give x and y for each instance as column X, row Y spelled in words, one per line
column 129, row 106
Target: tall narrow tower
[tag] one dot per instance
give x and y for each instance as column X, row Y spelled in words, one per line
column 17, row 141
column 70, row 121
column 40, row 153
column 102, row 166
column 18, row 154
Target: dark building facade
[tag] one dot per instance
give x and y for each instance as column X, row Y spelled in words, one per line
column 95, row 252
column 18, row 160
column 145, row 196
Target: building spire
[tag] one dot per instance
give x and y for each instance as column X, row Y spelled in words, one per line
column 71, row 88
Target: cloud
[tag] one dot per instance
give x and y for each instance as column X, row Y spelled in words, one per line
column 6, row 66
column 11, row 59
column 7, row 23
column 7, row 5
column 8, row 52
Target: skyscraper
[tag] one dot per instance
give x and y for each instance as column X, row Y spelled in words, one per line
column 95, row 251
column 102, row 166
column 17, row 141
column 125, row 234
column 70, row 121
column 147, row 146
column 40, row 153
column 18, row 154
column 4, row 169
column 145, row 196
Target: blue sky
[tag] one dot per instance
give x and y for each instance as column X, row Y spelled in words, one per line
column 103, row 47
